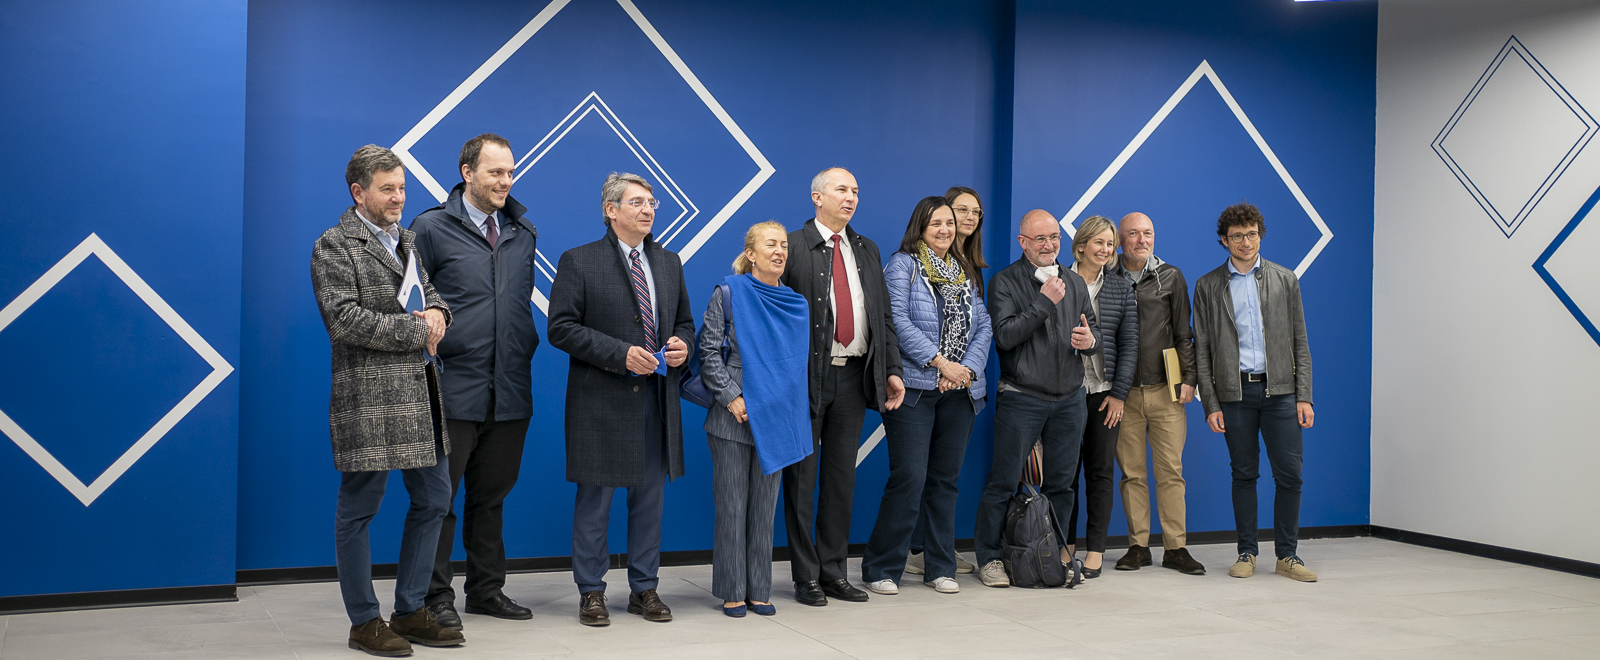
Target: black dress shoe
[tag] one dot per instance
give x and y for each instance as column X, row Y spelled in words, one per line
column 1179, row 560
column 810, row 593
column 446, row 614
column 1137, row 556
column 842, row 590
column 648, row 605
column 1091, row 573
column 592, row 609
column 500, row 607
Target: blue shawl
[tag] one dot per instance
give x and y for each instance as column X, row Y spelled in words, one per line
column 773, row 325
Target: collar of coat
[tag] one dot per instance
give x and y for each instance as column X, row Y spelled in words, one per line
column 352, row 227
column 648, row 245
column 455, row 207
column 814, row 237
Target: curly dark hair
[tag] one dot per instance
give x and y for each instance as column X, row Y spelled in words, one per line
column 1243, row 214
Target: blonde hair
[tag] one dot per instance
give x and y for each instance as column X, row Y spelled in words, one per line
column 741, row 263
column 1092, row 226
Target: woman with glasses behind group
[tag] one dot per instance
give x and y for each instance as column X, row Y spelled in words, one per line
column 943, row 333
column 968, row 208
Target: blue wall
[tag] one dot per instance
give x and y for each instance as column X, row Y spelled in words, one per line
column 125, row 121
column 205, row 142
column 1090, row 76
column 901, row 93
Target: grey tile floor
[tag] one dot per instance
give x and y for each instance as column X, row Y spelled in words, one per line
column 1377, row 599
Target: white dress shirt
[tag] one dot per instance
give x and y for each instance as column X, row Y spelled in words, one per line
column 858, row 342
column 390, row 242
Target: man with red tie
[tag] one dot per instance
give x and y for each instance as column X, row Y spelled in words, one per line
column 854, row 364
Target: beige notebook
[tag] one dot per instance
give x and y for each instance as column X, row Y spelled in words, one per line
column 1174, row 372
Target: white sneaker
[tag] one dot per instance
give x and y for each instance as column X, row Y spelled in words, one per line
column 884, row 587
column 993, row 574
column 963, row 566
column 944, row 585
column 914, row 563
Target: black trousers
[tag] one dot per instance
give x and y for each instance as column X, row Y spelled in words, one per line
column 1098, row 461
column 489, row 456
column 836, row 436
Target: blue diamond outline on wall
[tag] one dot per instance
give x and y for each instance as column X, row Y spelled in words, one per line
column 1509, row 226
column 1550, row 280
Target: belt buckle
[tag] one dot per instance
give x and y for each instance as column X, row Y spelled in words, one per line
column 840, row 360
column 1255, row 378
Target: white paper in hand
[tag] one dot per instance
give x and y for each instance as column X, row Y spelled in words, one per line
column 411, row 296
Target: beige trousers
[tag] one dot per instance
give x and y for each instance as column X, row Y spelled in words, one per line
column 1151, row 411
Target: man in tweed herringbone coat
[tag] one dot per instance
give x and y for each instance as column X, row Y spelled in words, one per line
column 385, row 411
column 385, row 407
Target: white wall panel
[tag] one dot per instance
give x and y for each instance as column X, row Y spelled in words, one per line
column 1485, row 384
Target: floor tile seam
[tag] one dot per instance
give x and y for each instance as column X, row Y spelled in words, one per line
column 1558, row 640
column 176, row 626
column 1580, row 605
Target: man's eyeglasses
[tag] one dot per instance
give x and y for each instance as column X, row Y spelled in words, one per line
column 1041, row 241
column 962, row 210
column 1240, row 239
column 640, row 201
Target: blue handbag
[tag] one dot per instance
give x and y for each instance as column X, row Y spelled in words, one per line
column 691, row 387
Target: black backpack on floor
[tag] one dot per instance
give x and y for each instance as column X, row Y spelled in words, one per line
column 1031, row 543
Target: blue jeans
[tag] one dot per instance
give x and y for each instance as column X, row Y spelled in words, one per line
column 927, row 442
column 360, row 493
column 1019, row 420
column 1278, row 423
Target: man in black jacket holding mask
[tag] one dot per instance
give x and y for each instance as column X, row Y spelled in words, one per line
column 480, row 251
column 1043, row 322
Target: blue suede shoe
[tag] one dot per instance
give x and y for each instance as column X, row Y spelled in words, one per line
column 764, row 610
column 735, row 612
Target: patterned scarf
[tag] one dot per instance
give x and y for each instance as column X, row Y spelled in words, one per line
column 949, row 281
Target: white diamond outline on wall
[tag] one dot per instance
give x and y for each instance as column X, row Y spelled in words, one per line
column 94, row 246
column 764, row 170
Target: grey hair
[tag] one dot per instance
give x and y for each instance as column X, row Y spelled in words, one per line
column 367, row 161
column 615, row 185
column 821, row 179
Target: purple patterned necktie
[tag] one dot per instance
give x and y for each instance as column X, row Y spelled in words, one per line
column 490, row 232
column 641, row 293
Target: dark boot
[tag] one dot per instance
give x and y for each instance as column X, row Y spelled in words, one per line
column 376, row 638
column 422, row 628
column 592, row 609
column 1178, row 559
column 1137, row 556
column 647, row 604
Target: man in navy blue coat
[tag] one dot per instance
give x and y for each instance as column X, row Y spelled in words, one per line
column 480, row 251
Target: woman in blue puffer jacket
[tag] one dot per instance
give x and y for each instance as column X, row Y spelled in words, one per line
column 944, row 338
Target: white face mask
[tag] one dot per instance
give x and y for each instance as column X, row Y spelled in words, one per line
column 1044, row 274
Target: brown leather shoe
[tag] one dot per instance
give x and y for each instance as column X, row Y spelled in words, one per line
column 422, row 627
column 647, row 604
column 1178, row 559
column 376, row 638
column 1137, row 556
column 592, row 609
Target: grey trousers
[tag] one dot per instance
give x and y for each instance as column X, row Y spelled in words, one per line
column 746, row 503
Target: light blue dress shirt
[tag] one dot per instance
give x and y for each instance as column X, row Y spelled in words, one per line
column 479, row 218
column 390, row 242
column 1247, row 318
column 649, row 278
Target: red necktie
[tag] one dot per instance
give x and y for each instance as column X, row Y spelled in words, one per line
column 844, row 326
column 490, row 232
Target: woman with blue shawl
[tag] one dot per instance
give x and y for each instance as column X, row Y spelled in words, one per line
column 760, row 422
column 944, row 338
